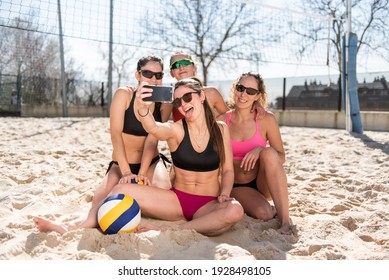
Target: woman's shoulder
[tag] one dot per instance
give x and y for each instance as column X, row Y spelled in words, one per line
column 269, row 115
column 125, row 90
column 269, row 119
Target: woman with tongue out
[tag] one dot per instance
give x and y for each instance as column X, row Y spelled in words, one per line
column 201, row 151
column 258, row 154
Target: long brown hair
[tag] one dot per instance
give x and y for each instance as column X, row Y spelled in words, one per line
column 213, row 127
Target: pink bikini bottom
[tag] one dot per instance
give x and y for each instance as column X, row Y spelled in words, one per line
column 190, row 203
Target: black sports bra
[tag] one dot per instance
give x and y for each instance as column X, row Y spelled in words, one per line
column 132, row 125
column 185, row 157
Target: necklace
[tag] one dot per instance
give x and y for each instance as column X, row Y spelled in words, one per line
column 199, row 141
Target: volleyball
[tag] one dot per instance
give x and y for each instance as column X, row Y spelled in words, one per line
column 119, row 213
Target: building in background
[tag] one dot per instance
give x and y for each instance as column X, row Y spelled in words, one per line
column 373, row 96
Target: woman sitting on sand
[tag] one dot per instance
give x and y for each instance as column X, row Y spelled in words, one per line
column 135, row 152
column 258, row 154
column 201, row 151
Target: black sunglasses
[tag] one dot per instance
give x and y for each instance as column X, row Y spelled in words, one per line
column 250, row 91
column 149, row 74
column 187, row 97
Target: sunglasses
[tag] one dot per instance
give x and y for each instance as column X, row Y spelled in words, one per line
column 249, row 91
column 182, row 62
column 187, row 97
column 149, row 74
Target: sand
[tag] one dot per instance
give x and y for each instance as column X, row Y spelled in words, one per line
column 338, row 184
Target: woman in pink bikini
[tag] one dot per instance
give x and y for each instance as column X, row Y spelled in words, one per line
column 258, row 154
column 201, row 151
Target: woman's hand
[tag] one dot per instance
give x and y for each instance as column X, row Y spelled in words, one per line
column 126, row 178
column 142, row 180
column 141, row 105
column 222, row 198
column 260, row 112
column 250, row 159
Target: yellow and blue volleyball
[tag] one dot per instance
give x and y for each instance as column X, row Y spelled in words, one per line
column 119, row 213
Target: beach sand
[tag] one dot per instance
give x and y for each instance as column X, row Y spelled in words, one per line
column 338, row 185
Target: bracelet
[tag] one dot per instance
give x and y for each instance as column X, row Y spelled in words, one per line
column 144, row 114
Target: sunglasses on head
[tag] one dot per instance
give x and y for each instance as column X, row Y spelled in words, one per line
column 182, row 62
column 187, row 97
column 249, row 91
column 149, row 74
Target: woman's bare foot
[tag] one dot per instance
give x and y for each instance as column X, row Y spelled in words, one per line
column 44, row 225
column 286, row 229
column 143, row 227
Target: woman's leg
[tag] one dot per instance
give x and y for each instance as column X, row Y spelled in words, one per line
column 90, row 221
column 214, row 218
column 254, row 203
column 272, row 183
column 154, row 202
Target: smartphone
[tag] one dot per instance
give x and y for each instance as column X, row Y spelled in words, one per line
column 160, row 94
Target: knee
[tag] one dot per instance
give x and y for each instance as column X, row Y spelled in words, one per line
column 269, row 156
column 234, row 212
column 263, row 213
column 119, row 188
column 269, row 153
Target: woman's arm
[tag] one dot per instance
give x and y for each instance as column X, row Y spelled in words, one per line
column 166, row 111
column 215, row 100
column 161, row 131
column 273, row 135
column 151, row 143
column 149, row 148
column 120, row 103
column 227, row 174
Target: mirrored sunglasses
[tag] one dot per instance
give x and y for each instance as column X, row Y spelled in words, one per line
column 187, row 97
column 182, row 62
column 249, row 91
column 149, row 74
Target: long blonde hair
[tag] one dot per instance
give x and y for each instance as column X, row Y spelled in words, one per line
column 261, row 88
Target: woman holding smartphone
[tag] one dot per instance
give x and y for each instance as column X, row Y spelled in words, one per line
column 201, row 153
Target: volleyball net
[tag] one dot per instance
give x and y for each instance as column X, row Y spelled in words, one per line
column 30, row 49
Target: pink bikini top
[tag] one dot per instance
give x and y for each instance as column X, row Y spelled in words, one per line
column 241, row 148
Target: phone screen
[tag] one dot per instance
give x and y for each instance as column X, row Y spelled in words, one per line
column 160, row 94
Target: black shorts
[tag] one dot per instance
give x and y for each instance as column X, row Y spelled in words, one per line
column 252, row 184
column 134, row 167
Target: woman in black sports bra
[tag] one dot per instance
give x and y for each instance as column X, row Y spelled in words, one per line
column 135, row 153
column 201, row 151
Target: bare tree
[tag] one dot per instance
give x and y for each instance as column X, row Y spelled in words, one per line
column 210, row 30
column 124, row 58
column 33, row 57
column 370, row 19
